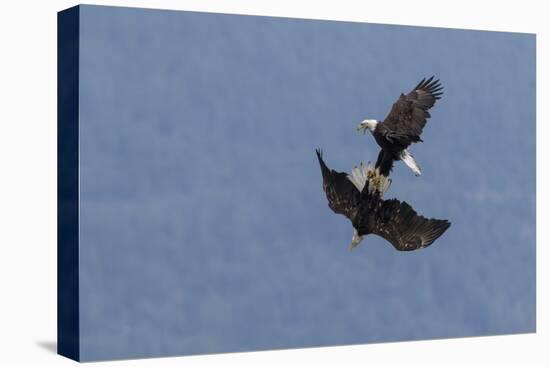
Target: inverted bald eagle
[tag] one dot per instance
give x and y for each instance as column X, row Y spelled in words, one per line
column 403, row 125
column 358, row 196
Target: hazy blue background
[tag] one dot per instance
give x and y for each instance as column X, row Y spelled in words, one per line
column 204, row 227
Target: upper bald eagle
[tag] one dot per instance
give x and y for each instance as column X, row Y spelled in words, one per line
column 403, row 125
column 359, row 197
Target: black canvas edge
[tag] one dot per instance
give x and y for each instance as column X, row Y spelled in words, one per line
column 68, row 326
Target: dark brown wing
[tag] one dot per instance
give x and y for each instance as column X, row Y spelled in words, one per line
column 409, row 113
column 399, row 224
column 343, row 197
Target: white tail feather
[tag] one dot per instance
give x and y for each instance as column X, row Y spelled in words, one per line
column 377, row 182
column 409, row 160
column 358, row 176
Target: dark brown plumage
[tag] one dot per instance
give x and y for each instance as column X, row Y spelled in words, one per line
column 408, row 116
column 395, row 221
column 399, row 224
column 404, row 125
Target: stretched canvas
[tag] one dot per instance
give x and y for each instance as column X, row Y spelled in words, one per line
column 192, row 216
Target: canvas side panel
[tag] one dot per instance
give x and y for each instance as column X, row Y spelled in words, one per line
column 67, row 183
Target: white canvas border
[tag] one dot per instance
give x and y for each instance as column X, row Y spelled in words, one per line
column 28, row 164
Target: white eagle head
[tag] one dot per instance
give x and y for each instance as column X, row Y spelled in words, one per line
column 367, row 125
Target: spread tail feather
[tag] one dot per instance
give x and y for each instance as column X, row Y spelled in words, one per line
column 362, row 174
column 409, row 160
column 359, row 176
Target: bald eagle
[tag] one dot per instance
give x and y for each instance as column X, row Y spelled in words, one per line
column 403, row 125
column 358, row 196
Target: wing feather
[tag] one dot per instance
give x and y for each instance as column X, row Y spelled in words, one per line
column 398, row 223
column 343, row 197
column 409, row 114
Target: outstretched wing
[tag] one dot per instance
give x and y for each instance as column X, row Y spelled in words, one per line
column 343, row 197
column 399, row 223
column 409, row 113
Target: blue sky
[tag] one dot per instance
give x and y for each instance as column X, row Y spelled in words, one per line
column 204, row 227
